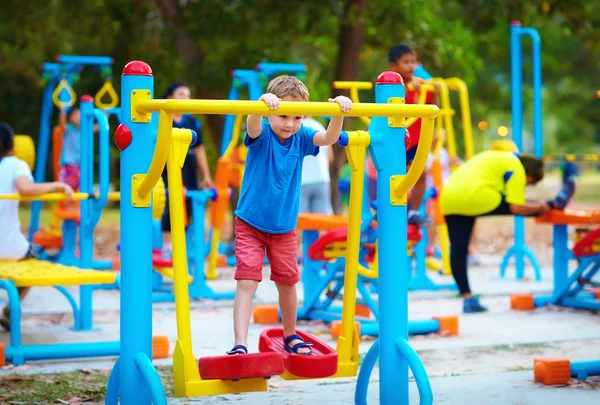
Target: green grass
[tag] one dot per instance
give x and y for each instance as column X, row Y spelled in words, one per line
column 79, row 386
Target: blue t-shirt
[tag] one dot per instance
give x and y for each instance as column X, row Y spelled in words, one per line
column 270, row 196
column 70, row 154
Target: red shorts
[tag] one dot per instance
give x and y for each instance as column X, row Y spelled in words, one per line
column 282, row 252
column 70, row 174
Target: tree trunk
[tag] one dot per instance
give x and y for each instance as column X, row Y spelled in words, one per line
column 350, row 42
column 192, row 56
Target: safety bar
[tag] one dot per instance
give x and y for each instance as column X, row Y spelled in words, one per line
column 166, row 109
column 222, row 107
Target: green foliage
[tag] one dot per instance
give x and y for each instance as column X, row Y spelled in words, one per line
column 202, row 41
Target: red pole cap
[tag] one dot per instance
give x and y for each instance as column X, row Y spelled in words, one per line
column 389, row 78
column 87, row 99
column 515, row 23
column 137, row 67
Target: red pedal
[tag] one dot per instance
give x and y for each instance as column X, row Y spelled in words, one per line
column 238, row 366
column 414, row 233
column 585, row 247
column 159, row 261
column 316, row 251
column 322, row 363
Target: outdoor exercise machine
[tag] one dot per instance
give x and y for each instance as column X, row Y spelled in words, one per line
column 134, row 379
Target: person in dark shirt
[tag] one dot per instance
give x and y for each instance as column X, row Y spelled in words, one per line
column 196, row 156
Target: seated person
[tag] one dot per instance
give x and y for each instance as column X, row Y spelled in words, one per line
column 15, row 177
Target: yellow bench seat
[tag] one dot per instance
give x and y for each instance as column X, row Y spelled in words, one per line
column 38, row 273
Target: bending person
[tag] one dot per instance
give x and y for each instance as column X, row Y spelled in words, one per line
column 490, row 183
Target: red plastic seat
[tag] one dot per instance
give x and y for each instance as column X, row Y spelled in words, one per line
column 317, row 250
column 585, row 247
column 322, row 363
column 238, row 366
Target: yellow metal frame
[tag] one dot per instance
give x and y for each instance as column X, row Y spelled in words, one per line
column 354, row 87
column 106, row 89
column 395, row 181
column 171, row 145
column 137, row 200
column 138, row 96
column 64, row 85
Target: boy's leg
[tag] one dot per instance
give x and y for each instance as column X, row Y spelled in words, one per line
column 283, row 256
column 242, row 310
column 249, row 254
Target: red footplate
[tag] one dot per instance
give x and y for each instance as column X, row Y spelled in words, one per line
column 322, row 363
column 238, row 366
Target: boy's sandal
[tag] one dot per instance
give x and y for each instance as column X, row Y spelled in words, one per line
column 238, row 349
column 297, row 346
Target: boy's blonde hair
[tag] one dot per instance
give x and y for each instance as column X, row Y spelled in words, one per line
column 288, row 86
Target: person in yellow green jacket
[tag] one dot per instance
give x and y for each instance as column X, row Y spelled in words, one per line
column 490, row 183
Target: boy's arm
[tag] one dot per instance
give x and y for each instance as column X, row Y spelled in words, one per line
column 254, row 122
column 329, row 137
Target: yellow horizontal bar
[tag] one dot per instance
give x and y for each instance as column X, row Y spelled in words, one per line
column 346, row 85
column 112, row 196
column 44, row 197
column 225, row 107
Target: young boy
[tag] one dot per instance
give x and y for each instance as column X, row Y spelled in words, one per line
column 403, row 60
column 267, row 211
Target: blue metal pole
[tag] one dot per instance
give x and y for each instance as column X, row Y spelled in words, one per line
column 43, row 141
column 584, row 369
column 86, row 232
column 86, row 169
column 536, row 49
column 560, row 240
column 135, row 141
column 516, row 84
column 85, row 60
column 63, row 351
column 234, row 94
column 269, row 69
column 390, row 161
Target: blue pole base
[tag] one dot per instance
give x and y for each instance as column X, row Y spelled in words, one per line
column 583, row 300
column 520, row 252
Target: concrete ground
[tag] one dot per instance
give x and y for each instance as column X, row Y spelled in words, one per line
column 490, row 362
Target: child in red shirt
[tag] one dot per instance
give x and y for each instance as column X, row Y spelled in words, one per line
column 403, row 60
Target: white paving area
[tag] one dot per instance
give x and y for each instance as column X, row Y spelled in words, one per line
column 489, row 362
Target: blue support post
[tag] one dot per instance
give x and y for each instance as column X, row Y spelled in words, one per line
column 43, row 142
column 392, row 228
column 520, row 250
column 86, row 242
column 136, row 240
column 199, row 288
